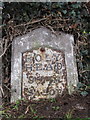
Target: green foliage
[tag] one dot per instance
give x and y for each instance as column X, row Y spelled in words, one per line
column 64, row 11
column 16, row 106
column 24, row 12
column 32, row 110
column 4, row 114
column 68, row 115
column 84, row 93
column 82, row 88
column 21, row 116
column 55, row 108
column 80, row 119
column 1, row 113
column 1, row 106
column 52, row 100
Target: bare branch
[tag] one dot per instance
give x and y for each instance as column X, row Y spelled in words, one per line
column 5, row 50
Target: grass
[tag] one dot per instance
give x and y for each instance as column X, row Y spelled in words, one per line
column 55, row 108
column 68, row 115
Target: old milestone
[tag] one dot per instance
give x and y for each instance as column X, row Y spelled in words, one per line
column 43, row 65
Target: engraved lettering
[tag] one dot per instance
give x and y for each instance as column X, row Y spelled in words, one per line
column 52, row 92
column 29, row 58
column 49, row 67
column 38, row 66
column 57, row 66
column 31, row 80
column 58, row 57
column 38, row 58
column 47, row 58
column 29, row 67
column 43, row 73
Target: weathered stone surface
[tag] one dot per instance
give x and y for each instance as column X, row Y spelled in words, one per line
column 27, row 49
column 0, row 76
column 44, row 73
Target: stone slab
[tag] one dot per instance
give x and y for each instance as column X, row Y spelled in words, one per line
column 30, row 45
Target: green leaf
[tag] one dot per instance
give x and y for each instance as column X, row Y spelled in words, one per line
column 80, row 84
column 1, row 106
column 21, row 116
column 84, row 93
column 73, row 13
column 2, row 112
column 76, row 5
column 64, row 11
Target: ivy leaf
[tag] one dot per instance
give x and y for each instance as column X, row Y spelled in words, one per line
column 80, row 84
column 64, row 11
column 75, row 5
column 73, row 13
column 84, row 93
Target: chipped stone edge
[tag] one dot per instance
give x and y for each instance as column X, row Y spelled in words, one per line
column 71, row 83
column 1, row 90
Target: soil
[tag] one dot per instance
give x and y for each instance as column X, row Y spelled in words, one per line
column 65, row 107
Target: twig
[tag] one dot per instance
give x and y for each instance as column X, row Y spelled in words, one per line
column 33, row 22
column 2, row 92
column 84, row 71
column 51, row 29
column 8, row 88
column 82, row 43
column 27, row 109
column 5, row 50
